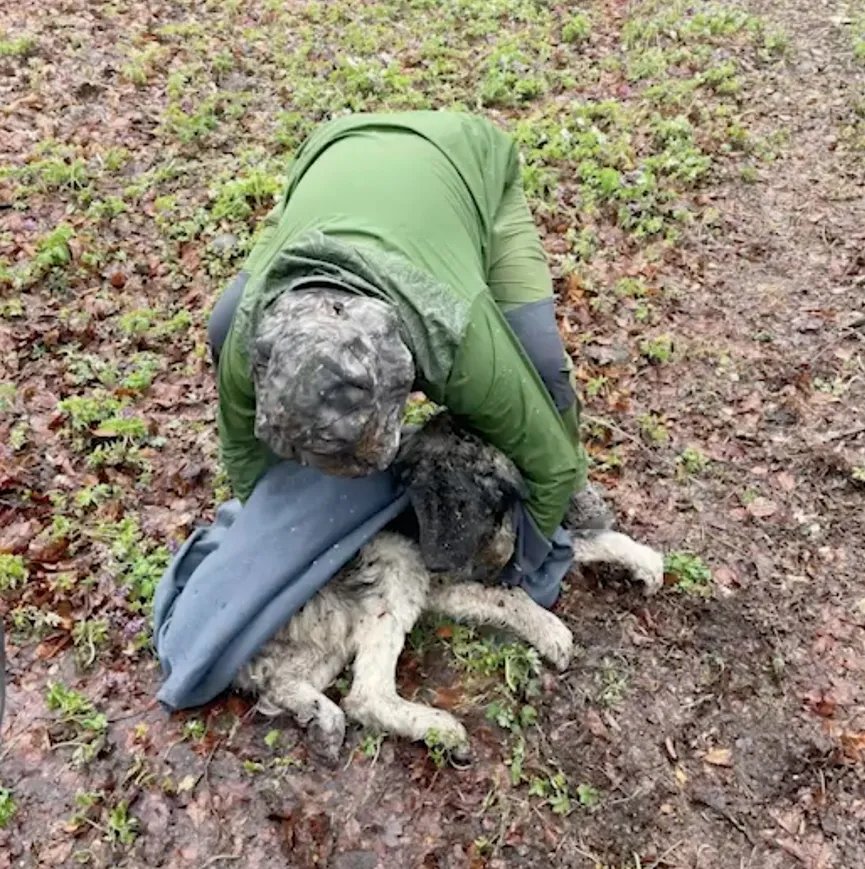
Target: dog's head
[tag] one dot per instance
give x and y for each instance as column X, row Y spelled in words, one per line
column 463, row 492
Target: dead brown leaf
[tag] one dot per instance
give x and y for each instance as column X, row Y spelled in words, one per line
column 762, row 508
column 823, row 705
column 719, row 757
column 199, row 809
column 786, row 481
column 52, row 647
column 238, row 706
column 595, row 725
column 449, row 697
column 14, row 538
column 853, row 745
column 47, row 551
column 726, row 577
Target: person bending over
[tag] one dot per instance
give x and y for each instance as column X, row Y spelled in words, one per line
column 402, row 256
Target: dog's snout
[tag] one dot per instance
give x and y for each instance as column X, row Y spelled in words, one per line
column 438, row 559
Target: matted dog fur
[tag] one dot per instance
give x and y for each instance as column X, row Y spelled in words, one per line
column 463, row 492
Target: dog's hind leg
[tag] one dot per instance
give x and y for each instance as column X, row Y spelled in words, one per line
column 642, row 563
column 373, row 699
column 509, row 608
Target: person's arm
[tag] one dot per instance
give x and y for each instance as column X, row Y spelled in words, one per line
column 243, row 456
column 497, row 391
column 265, row 235
column 520, row 281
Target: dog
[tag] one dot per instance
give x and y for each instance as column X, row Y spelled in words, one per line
column 463, row 493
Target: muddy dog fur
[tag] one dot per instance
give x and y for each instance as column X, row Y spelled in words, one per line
column 463, row 492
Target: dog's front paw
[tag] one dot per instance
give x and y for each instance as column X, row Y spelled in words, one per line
column 326, row 732
column 447, row 738
column 557, row 643
column 649, row 570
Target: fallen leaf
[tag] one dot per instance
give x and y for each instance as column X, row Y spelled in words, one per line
column 52, row 647
column 751, row 403
column 725, row 576
column 237, row 706
column 601, row 355
column 189, row 853
column 681, row 776
column 187, row 783
column 15, row 537
column 608, row 716
column 790, row 821
column 448, row 698
column 762, row 508
column 719, row 757
column 824, row 706
column 596, row 726
column 47, row 551
column 198, row 810
column 57, row 854
column 786, row 481
column 853, row 745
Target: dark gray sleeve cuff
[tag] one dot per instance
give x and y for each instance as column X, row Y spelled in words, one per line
column 534, row 324
column 223, row 313
column 539, row 565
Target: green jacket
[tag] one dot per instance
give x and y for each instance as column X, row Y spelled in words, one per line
column 427, row 211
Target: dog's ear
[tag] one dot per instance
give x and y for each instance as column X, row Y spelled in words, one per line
column 511, row 483
column 428, row 441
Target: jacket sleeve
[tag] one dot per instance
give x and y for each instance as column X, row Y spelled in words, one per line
column 497, row 391
column 520, row 281
column 244, row 457
column 265, row 236
column 518, row 272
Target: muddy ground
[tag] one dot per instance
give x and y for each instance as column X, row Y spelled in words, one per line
column 718, row 328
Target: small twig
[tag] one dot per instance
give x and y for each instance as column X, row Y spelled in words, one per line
column 206, row 773
column 792, row 849
column 127, row 715
column 238, row 723
column 666, row 854
column 171, row 747
column 433, row 780
column 596, row 860
column 67, row 744
column 606, row 423
column 561, row 844
column 720, row 810
column 662, row 460
column 843, row 435
column 217, row 858
column 726, row 543
column 628, row 797
column 93, row 824
column 10, row 742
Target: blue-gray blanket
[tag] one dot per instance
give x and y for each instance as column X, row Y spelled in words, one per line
column 234, row 583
